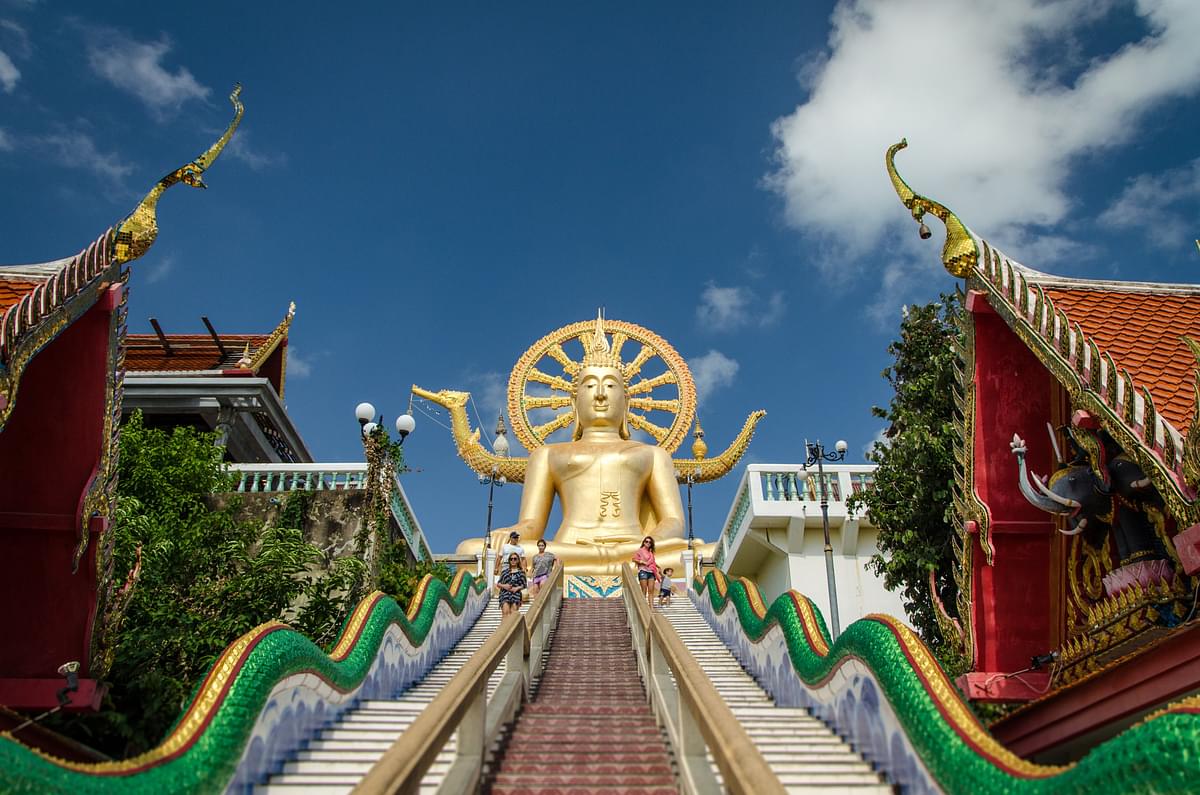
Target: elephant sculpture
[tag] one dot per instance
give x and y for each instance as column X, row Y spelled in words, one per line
column 1102, row 491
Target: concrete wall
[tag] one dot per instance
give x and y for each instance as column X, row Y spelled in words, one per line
column 331, row 521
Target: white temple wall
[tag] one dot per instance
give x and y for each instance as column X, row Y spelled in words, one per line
column 773, row 536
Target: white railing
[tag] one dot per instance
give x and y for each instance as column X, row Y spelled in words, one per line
column 299, row 477
column 794, row 483
column 464, row 707
column 789, row 490
column 697, row 720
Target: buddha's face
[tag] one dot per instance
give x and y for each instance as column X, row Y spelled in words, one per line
column 600, row 399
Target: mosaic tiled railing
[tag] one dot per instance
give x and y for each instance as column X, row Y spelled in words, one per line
column 881, row 689
column 267, row 693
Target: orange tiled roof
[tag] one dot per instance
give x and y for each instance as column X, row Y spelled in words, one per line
column 145, row 354
column 1141, row 331
column 13, row 290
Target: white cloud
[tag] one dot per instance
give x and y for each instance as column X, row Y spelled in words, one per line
column 6, row 142
column 712, row 371
column 298, row 366
column 160, row 270
column 16, row 38
column 881, row 438
column 9, row 73
column 490, row 392
column 1149, row 202
column 241, row 149
column 993, row 125
column 75, row 149
column 728, row 308
column 136, row 67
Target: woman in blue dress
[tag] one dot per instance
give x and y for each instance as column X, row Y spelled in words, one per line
column 511, row 583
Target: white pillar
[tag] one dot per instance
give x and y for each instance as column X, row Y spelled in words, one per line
column 689, row 566
column 490, row 567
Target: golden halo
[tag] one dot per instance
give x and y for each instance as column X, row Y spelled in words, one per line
column 656, row 367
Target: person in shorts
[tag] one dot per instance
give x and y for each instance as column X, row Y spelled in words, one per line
column 511, row 583
column 665, row 588
column 543, row 564
column 647, row 569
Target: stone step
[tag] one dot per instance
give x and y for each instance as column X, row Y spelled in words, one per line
column 800, row 749
column 341, row 753
column 605, row 754
column 599, row 772
column 546, row 780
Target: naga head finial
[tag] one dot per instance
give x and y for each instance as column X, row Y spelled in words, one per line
column 136, row 233
column 959, row 254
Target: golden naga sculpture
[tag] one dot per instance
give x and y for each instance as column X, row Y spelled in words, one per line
column 136, row 233
column 613, row 489
column 959, row 254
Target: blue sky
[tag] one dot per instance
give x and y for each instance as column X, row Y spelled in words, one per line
column 437, row 187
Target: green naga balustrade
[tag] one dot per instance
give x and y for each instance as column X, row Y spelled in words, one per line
column 266, row 694
column 881, row 688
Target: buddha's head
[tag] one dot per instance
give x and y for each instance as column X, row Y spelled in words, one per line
column 600, row 400
column 601, row 396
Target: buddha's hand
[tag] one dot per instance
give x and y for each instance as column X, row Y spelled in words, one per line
column 607, row 541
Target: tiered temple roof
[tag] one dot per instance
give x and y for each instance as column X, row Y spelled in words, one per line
column 1141, row 326
column 213, row 354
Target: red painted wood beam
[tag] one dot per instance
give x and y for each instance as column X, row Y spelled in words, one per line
column 1160, row 674
column 1001, row 686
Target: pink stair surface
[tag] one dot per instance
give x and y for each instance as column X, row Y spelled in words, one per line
column 589, row 728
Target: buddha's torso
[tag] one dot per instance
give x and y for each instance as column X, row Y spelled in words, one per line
column 601, row 486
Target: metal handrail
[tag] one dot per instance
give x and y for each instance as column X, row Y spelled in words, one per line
column 697, row 719
column 541, row 615
column 463, row 705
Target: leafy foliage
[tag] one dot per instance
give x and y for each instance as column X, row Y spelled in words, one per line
column 910, row 501
column 399, row 579
column 206, row 578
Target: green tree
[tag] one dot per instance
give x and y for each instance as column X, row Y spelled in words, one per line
column 910, row 501
column 206, row 578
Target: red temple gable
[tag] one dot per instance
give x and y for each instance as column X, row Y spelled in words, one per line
column 1076, row 493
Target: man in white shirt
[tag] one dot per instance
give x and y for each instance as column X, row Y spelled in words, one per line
column 513, row 545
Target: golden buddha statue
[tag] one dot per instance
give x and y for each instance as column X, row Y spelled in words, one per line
column 612, row 488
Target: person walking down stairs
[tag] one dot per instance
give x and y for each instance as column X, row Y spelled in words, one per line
column 589, row 727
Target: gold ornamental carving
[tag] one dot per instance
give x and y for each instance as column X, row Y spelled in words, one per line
column 670, row 394
column 959, row 253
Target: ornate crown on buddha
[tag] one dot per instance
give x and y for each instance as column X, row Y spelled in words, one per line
column 598, row 353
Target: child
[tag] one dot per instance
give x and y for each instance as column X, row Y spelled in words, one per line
column 511, row 583
column 664, row 592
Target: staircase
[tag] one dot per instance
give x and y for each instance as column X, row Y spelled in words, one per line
column 340, row 754
column 803, row 752
column 588, row 727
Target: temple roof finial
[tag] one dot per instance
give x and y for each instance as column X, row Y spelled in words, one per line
column 959, row 254
column 137, row 232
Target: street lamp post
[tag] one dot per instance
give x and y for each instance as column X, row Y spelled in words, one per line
column 494, row 479
column 382, row 467
column 690, row 479
column 368, row 423
column 815, row 453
